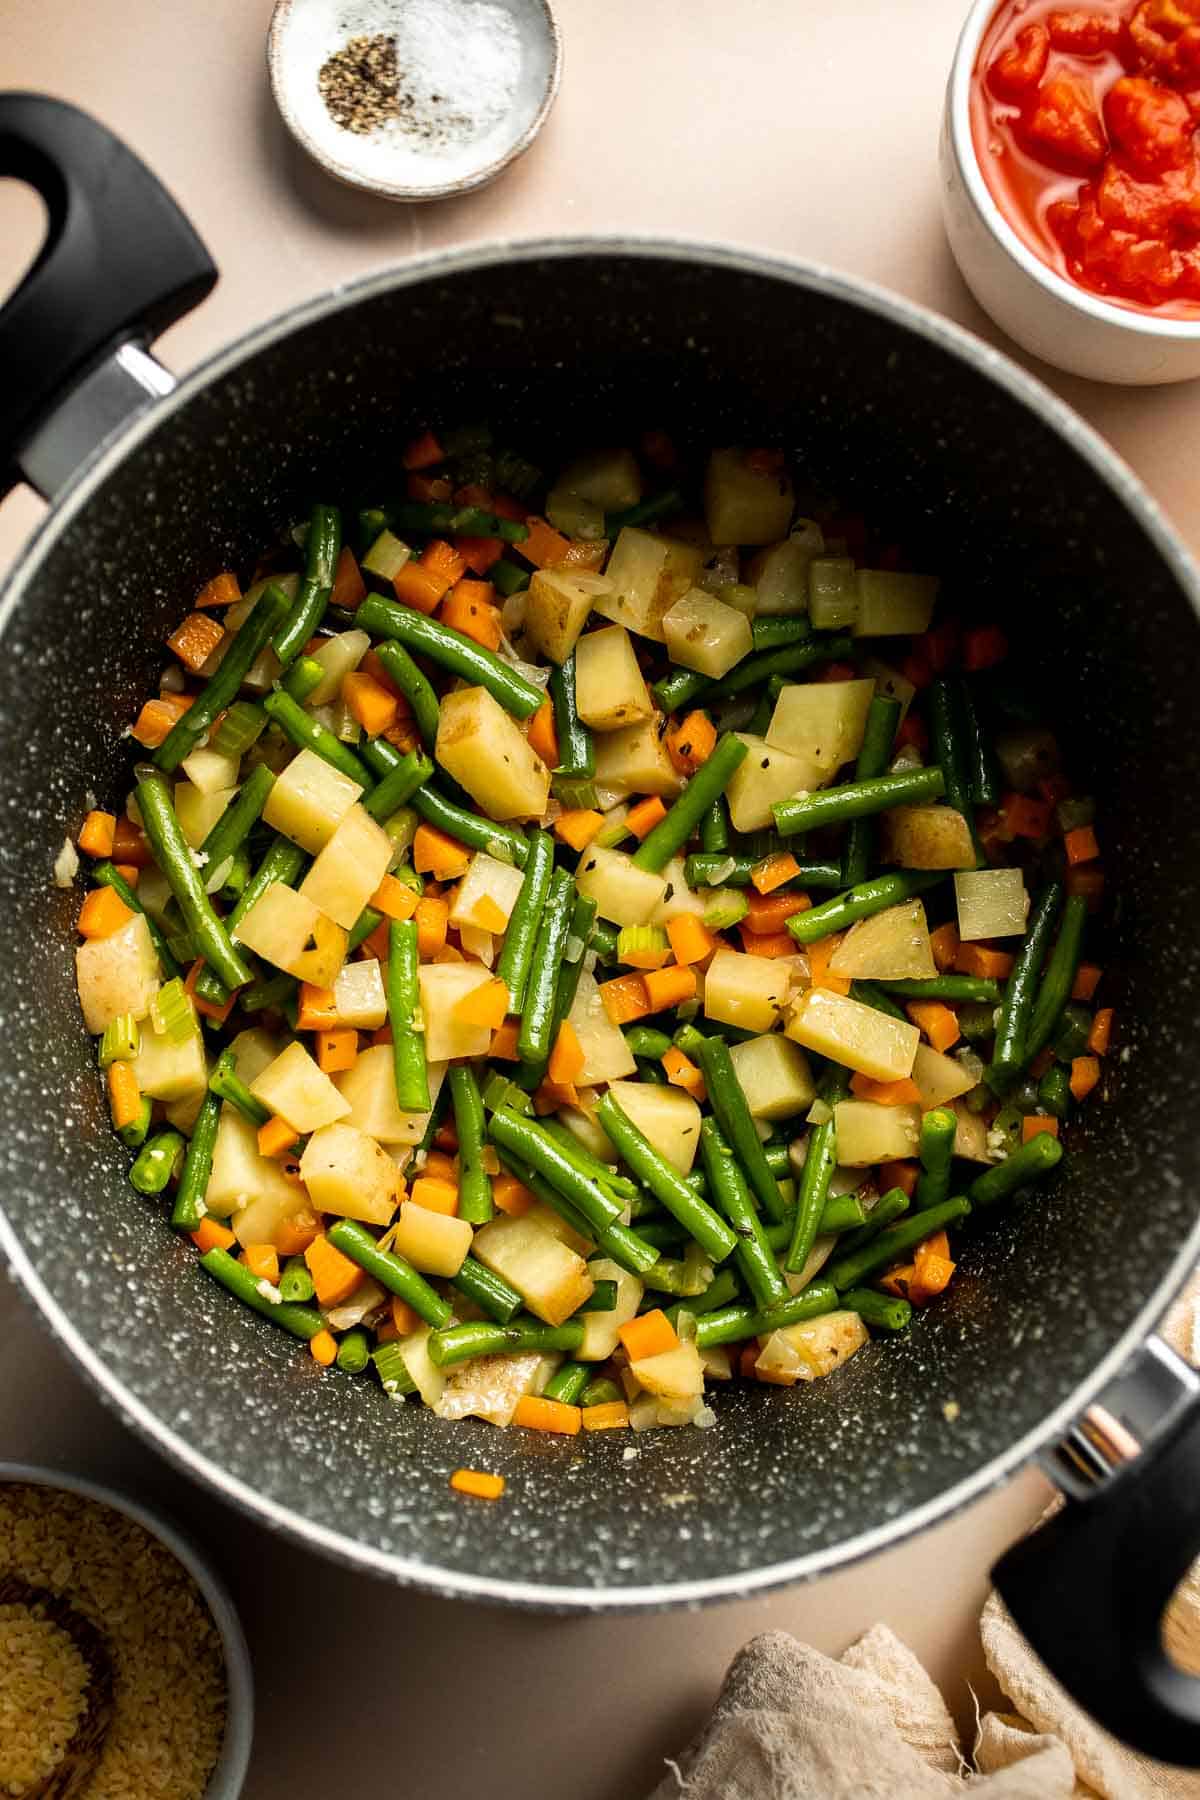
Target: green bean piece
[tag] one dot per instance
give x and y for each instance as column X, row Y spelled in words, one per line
column 155, row 1162
column 887, row 1209
column 664, row 1233
column 534, row 1039
column 729, row 1189
column 222, row 689
column 363, row 926
column 567, row 1383
column 645, row 1040
column 1072, row 1032
column 938, row 1130
column 576, row 747
column 665, row 1182
column 273, row 993
column 321, row 550
column 507, row 579
column 728, row 1102
column 977, row 1022
column 721, row 1290
column 841, row 1213
column 399, row 785
column 603, row 940
column 1011, row 1053
column 451, row 650
column 520, row 938
column 455, row 1343
column 526, row 1139
column 308, row 733
column 1028, row 1162
column 134, row 1135
column 601, row 1392
column 174, row 857
column 883, row 720
column 778, row 1159
column 474, row 1182
column 850, row 1268
column 603, row 1297
column 714, row 829
column 432, row 1125
column 856, row 800
column 619, row 1185
column 947, row 735
column 416, row 688
column 620, row 1242
column 946, row 987
column 238, row 820
column 820, row 1161
column 404, row 1005
column 490, row 1292
column 1059, row 978
column 391, row 1271
column 295, row 1281
column 301, row 1321
column 658, row 506
column 983, row 776
column 354, row 1351
column 227, row 1084
column 440, row 519
column 197, row 1165
column 774, row 632
column 105, row 874
column 878, row 1310
column 732, row 1324
column 504, row 842
column 303, row 678
column 1054, row 1091
column 681, row 687
column 708, row 784
column 704, row 870
column 870, row 993
column 583, row 918
column 860, row 903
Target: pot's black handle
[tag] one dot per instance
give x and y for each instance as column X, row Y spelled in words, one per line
column 120, row 262
column 1090, row 1587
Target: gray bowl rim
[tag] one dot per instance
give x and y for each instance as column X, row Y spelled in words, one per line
column 483, row 258
column 229, row 1772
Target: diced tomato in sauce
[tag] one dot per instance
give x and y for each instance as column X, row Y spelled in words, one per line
column 1086, row 124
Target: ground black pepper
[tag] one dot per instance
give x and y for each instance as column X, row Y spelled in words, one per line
column 360, row 84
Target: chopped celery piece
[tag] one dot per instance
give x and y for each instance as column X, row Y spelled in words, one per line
column 832, row 593
column 387, row 556
column 636, row 940
column 614, row 829
column 121, row 1040
column 729, row 908
column 498, row 1091
column 574, row 795
column 242, row 725
column 172, row 1012
column 392, row 1370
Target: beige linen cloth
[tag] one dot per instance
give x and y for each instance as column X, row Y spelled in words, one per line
column 791, row 1724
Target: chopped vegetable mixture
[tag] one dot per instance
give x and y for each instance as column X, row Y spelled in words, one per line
column 569, row 945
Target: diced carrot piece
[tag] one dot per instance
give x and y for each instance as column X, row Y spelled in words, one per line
column 195, row 639
column 681, row 1072
column 747, row 1360
column 403, row 734
column 1085, row 1073
column 124, row 1095
column 485, row 1005
column 578, row 827
column 1080, row 845
column 469, row 607
column 901, row 1175
column 404, row 1320
column 983, row 647
column 690, row 939
column 770, row 913
column 157, row 717
column 978, row 959
column 479, row 1485
column 443, row 560
column 899, row 1281
column 96, row 834
column 1034, row 1123
column 932, row 1269
column 210, row 1234
column 322, row 1347
column 567, row 1058
column 544, row 547
column 940, row 646
column 778, row 943
column 944, row 944
column 552, row 1096
column 649, row 1334
column 129, row 845
column 488, row 916
column 479, row 553
column 1087, row 980
column 913, row 732
column 1023, row 816
column 625, row 999
column 275, row 1138
column 386, row 1333
column 837, row 671
column 419, row 587
column 547, row 1415
column 128, row 872
column 440, row 1164
column 511, row 1196
column 774, row 871
column 294, row 1235
column 691, row 742
column 1041, row 1062
column 607, row 1417
column 318, row 1008
column 422, row 452
column 504, row 1042
column 394, row 900
column 435, row 489
column 348, row 585
column 938, row 1022
column 1086, row 883
column 820, row 955
column 542, row 735
column 432, row 915
column 335, row 1277
column 642, row 818
column 262, row 1260
column 337, row 1049
column 370, row 703
column 103, row 912
column 1100, row 1036
column 668, row 987
column 650, row 958
column 222, row 590
column 208, row 1009
column 435, row 1195
column 436, row 853
column 886, row 1093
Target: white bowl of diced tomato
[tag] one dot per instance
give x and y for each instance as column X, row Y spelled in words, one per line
column 1070, row 162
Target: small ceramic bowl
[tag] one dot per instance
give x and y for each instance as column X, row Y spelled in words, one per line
column 228, row 1777
column 1048, row 315
column 470, row 85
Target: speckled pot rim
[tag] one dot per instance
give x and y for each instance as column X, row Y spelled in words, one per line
column 229, row 1773
column 907, row 316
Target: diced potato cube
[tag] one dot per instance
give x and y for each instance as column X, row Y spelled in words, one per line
column 991, row 903
column 667, row 1118
column 337, row 656
column 486, row 894
column 601, row 1329
column 746, row 991
column 872, row 1043
column 745, row 503
column 780, row 573
column 434, row 1243
column 286, row 929
column 211, row 772
column 821, row 722
column 359, row 998
column 309, row 801
column 635, row 761
column 648, row 573
column 558, row 606
column 488, row 1387
column 703, row 633
column 812, row 1349
column 252, row 1051
column 774, row 1075
column 370, row 1089
column 869, row 1133
column 347, row 1173
column 927, row 837
column 890, row 684
column 260, row 1221
column 443, row 986
column 555, row 1226
column 552, row 1280
column 678, row 898
column 892, row 945
column 939, row 1078
column 610, row 479
column 673, row 1374
column 892, row 604
column 484, row 749
column 182, row 1114
column 349, row 869
column 298, row 1091
column 117, row 974
column 610, row 689
column 606, row 1054
column 832, row 593
column 240, row 1175
column 198, row 811
column 167, row 1071
column 624, row 894
column 766, row 774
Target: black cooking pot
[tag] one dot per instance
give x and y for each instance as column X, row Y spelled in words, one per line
column 988, row 480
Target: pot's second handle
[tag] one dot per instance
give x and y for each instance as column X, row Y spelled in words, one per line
column 119, row 264
column 1090, row 1587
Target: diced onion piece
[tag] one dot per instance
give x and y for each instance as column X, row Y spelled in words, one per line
column 66, row 865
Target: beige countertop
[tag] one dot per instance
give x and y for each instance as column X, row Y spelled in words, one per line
column 809, row 130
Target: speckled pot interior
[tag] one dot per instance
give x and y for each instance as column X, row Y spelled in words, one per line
column 988, row 483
